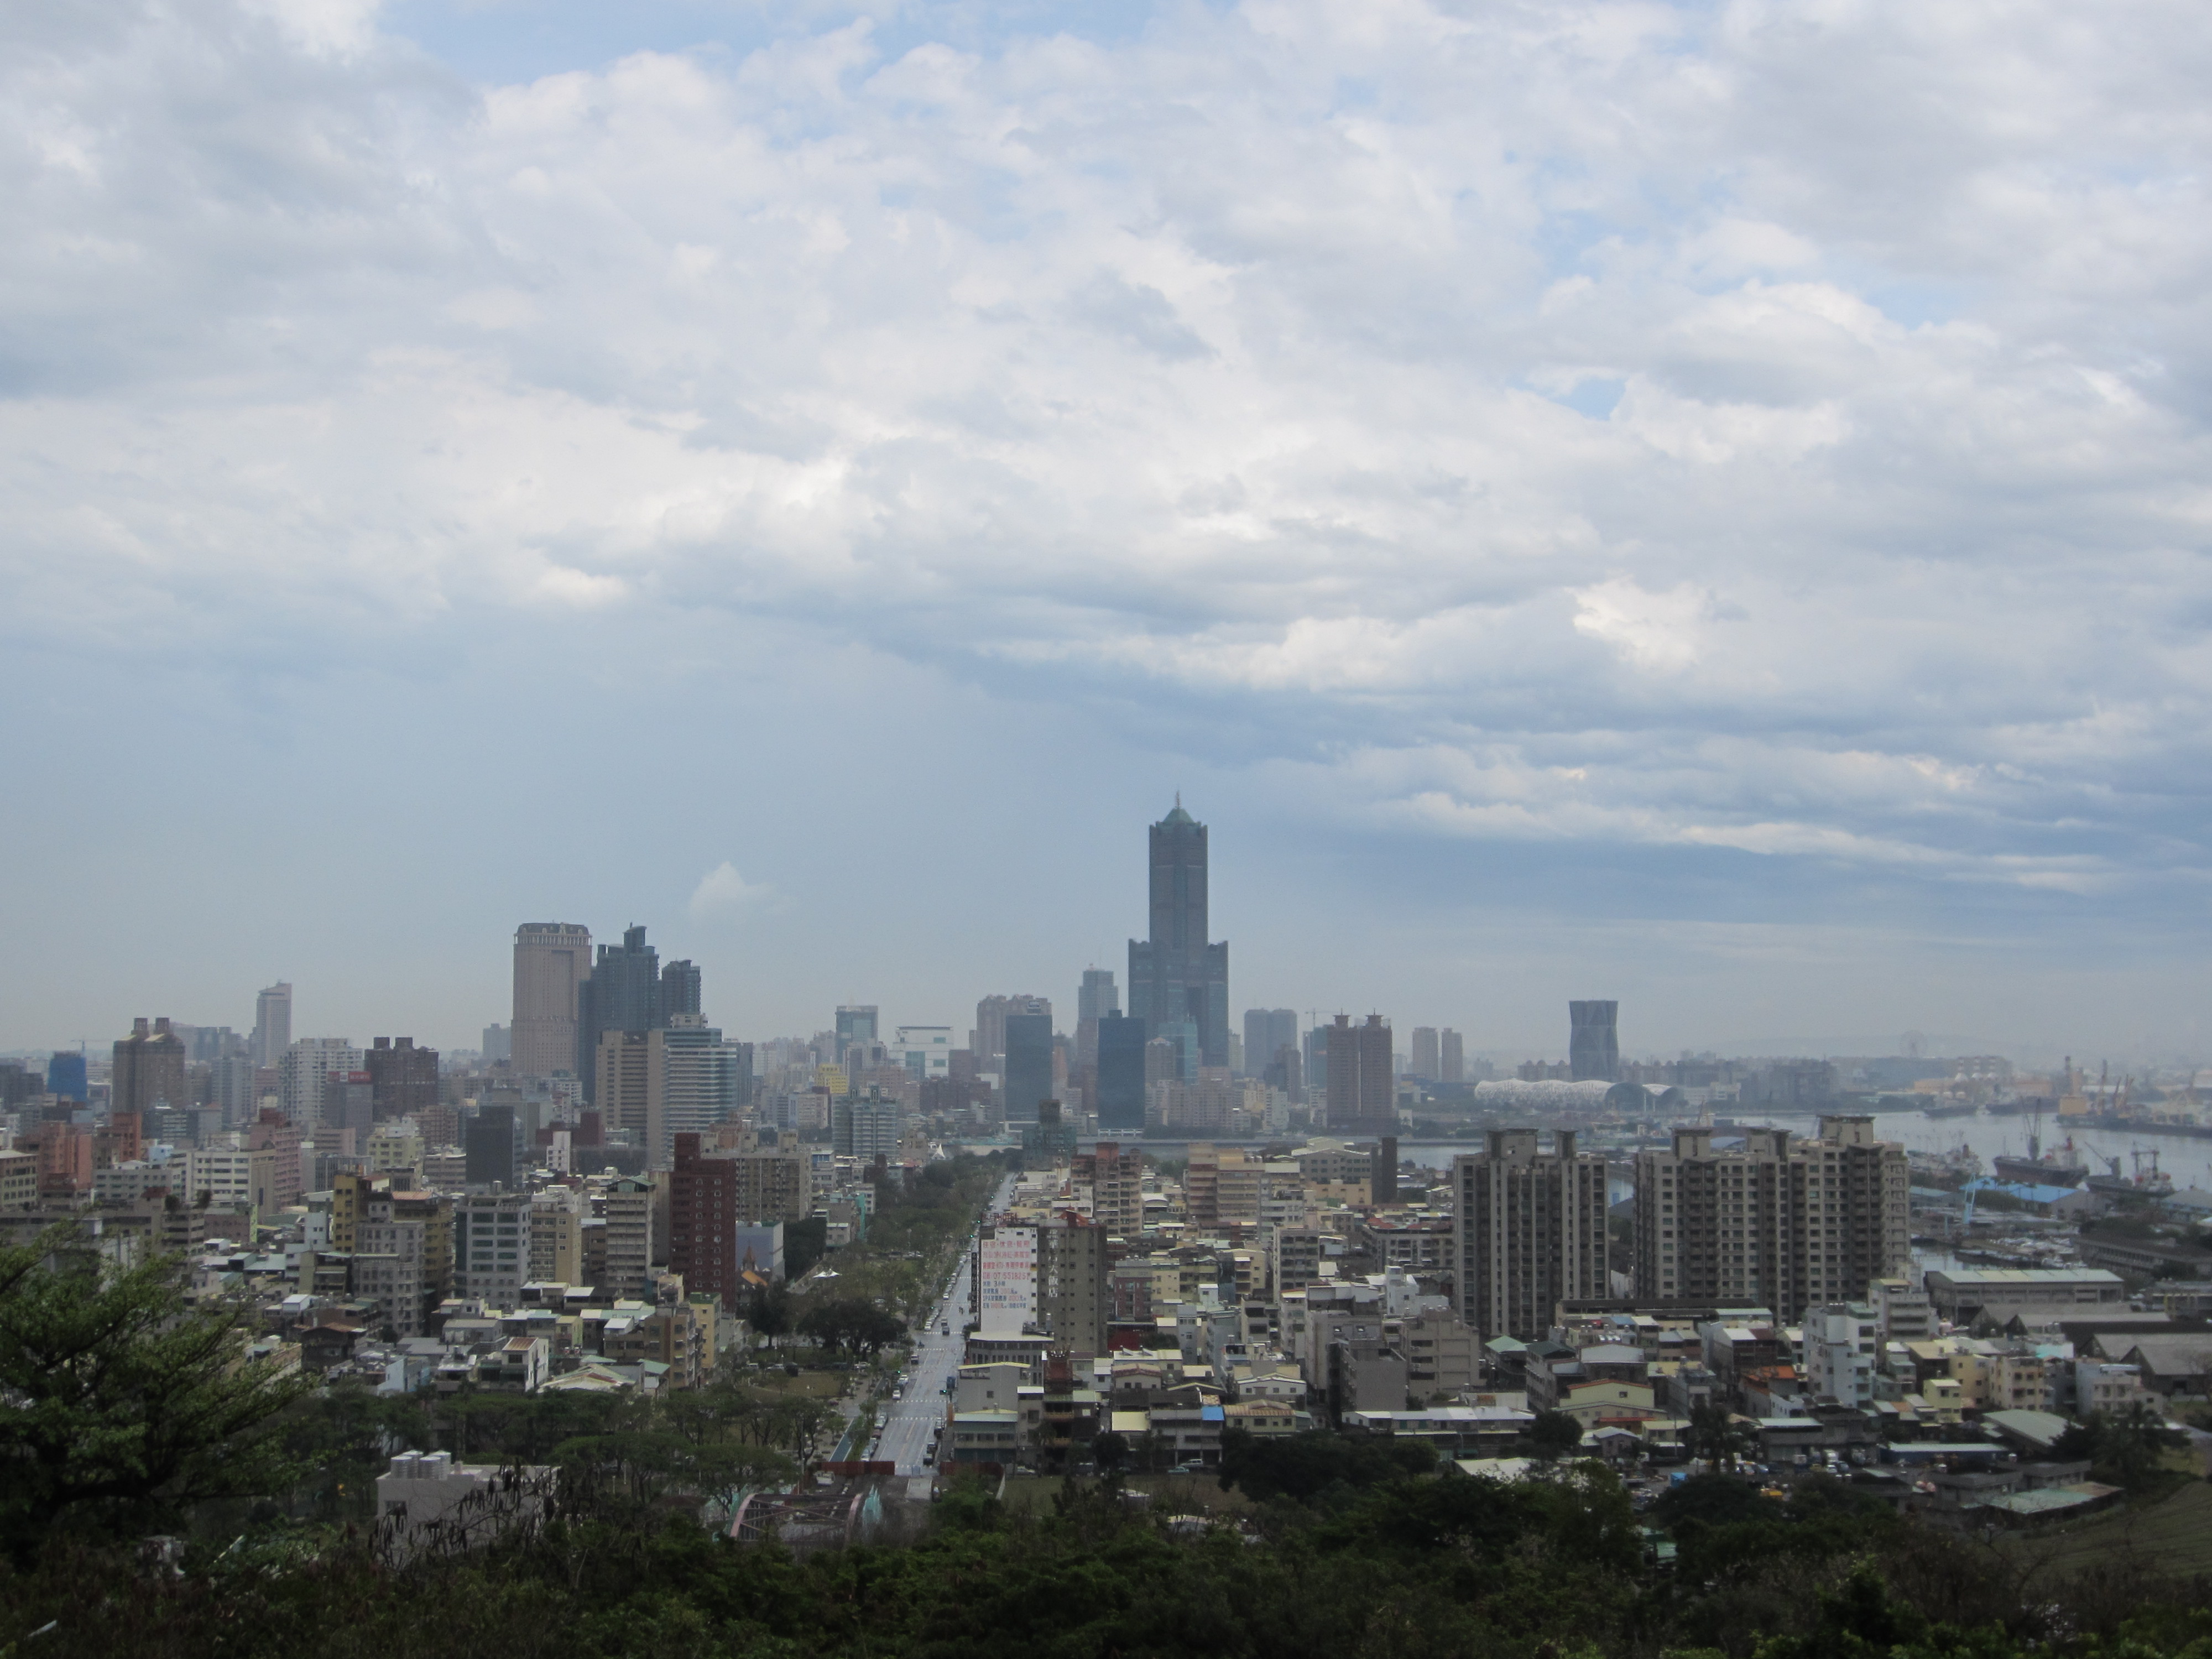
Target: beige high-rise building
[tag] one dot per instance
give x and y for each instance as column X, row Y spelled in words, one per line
column 631, row 1088
column 1529, row 1232
column 551, row 961
column 1773, row 1221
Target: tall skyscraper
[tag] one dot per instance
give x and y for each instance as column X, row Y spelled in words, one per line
column 1176, row 978
column 1028, row 1061
column 1426, row 1064
column 148, row 1070
column 681, row 990
column 856, row 1023
column 272, row 1024
column 1779, row 1223
column 1267, row 1031
column 1529, row 1230
column 1593, row 1044
column 1362, row 1094
column 551, row 961
column 1451, row 1057
column 627, row 991
column 1120, row 1074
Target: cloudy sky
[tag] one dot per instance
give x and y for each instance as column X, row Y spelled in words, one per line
column 1705, row 504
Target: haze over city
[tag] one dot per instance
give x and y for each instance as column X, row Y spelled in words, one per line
column 1698, row 507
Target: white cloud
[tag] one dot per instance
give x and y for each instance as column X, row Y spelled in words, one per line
column 722, row 892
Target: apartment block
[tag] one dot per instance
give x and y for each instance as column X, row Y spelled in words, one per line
column 1529, row 1232
column 630, row 1204
column 1072, row 1302
column 1771, row 1220
column 557, row 1237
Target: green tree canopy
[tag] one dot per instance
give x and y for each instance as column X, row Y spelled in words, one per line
column 122, row 1399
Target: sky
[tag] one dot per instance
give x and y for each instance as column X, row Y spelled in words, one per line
column 1703, row 504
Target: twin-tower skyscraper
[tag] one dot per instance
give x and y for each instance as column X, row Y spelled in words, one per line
column 1178, row 979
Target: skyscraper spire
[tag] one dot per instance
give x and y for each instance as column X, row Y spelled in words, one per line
column 1178, row 979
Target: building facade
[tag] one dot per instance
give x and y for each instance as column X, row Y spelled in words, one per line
column 1771, row 1220
column 1028, row 1077
column 491, row 1247
column 1593, row 1042
column 272, row 1024
column 1362, row 1094
column 1177, row 978
column 1528, row 1232
column 551, row 961
column 403, row 1077
column 148, row 1070
column 305, row 1066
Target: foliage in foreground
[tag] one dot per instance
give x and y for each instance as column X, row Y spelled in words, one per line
column 122, row 1404
column 1412, row 1567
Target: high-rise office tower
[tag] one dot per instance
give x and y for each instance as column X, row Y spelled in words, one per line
column 304, row 1067
column 1451, row 1057
column 272, row 1024
column 681, row 990
column 856, row 1023
column 1529, row 1230
column 701, row 1082
column 148, row 1070
column 1592, row 1044
column 1776, row 1222
column 497, row 1045
column 1120, row 1074
column 1362, row 1094
column 1178, row 980
column 987, row 1042
column 552, row 959
column 627, row 992
column 405, row 1078
column 1098, row 997
column 1028, row 1061
column 1426, row 1064
column 1267, row 1032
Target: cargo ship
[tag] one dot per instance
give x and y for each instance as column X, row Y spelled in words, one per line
column 2059, row 1167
